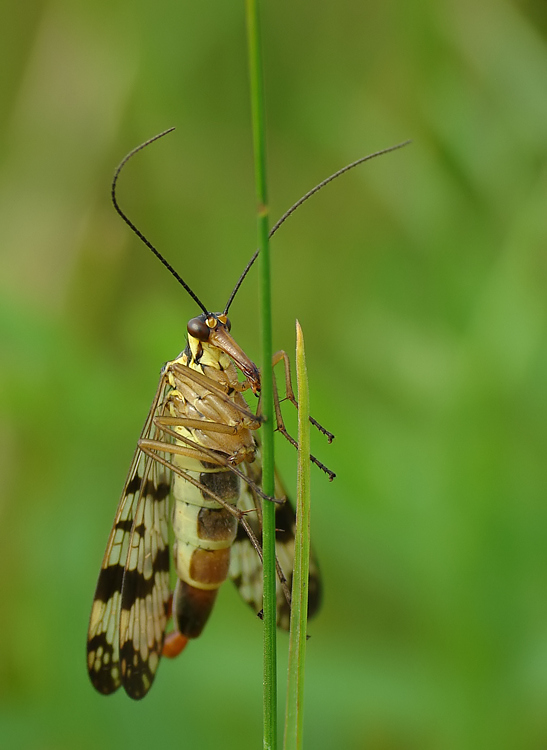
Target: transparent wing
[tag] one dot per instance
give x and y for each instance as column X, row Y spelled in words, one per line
column 245, row 565
column 129, row 613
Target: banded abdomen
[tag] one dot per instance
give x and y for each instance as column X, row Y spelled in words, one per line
column 205, row 531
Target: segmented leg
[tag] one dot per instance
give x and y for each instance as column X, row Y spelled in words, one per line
column 289, row 393
column 218, row 388
column 195, row 450
column 151, row 446
column 279, row 417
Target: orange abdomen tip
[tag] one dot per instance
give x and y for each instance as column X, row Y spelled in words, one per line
column 174, row 644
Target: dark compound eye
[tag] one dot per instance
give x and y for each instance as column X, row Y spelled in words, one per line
column 228, row 324
column 199, row 329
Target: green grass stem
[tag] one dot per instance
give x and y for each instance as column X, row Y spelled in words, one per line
column 299, row 610
column 268, row 479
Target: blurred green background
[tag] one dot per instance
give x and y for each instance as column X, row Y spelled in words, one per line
column 420, row 282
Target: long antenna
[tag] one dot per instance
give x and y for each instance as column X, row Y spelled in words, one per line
column 139, row 234
column 302, row 200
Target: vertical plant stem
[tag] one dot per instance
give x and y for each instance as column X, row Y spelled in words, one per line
column 268, row 481
column 299, row 609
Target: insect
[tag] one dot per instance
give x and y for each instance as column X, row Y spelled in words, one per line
column 196, row 469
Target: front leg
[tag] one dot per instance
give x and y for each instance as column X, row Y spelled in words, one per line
column 289, row 392
column 281, row 355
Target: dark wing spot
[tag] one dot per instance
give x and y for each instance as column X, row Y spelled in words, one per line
column 137, row 675
column 110, row 581
column 136, row 586
column 105, row 678
column 285, row 522
column 134, row 485
column 157, row 492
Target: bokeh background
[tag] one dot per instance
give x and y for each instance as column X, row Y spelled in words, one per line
column 420, row 282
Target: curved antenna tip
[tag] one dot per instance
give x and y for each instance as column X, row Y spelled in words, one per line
column 302, row 200
column 137, row 231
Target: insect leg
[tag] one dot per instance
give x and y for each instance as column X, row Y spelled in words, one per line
column 250, row 502
column 195, row 424
column 289, row 393
column 202, row 453
column 151, row 446
column 279, row 570
column 217, row 388
column 279, row 417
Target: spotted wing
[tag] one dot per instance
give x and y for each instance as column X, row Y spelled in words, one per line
column 129, row 613
column 245, row 565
